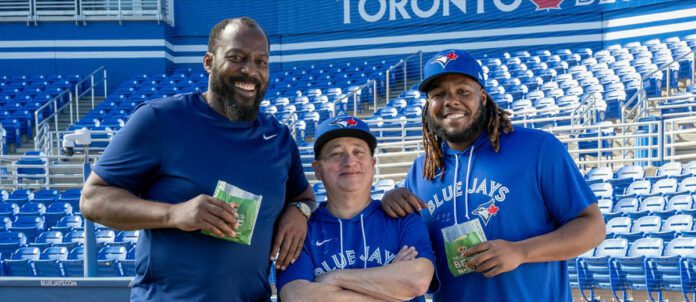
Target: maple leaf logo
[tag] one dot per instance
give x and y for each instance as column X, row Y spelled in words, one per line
column 345, row 122
column 444, row 60
column 547, row 4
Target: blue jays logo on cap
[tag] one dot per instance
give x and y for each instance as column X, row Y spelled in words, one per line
column 443, row 60
column 341, row 126
column 344, row 122
column 451, row 61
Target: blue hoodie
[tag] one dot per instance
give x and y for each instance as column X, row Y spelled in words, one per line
column 333, row 243
column 530, row 188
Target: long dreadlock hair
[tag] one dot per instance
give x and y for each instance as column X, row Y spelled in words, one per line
column 497, row 120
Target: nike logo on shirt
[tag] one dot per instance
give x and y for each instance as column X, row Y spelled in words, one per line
column 320, row 243
column 270, row 136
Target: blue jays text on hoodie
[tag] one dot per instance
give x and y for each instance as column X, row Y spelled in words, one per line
column 529, row 188
column 370, row 239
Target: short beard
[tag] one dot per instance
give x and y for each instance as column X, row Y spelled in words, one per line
column 225, row 95
column 465, row 135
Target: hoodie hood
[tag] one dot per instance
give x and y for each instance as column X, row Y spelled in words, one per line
column 322, row 213
column 454, row 160
column 480, row 142
column 348, row 227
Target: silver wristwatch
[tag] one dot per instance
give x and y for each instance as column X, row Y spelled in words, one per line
column 304, row 209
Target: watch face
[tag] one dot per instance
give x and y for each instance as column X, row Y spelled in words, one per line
column 304, row 208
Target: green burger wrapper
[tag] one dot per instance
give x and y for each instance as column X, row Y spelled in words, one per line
column 247, row 211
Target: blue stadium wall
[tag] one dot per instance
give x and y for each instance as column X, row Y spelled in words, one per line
column 303, row 32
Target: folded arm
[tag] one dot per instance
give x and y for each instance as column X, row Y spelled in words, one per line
column 303, row 290
column 394, row 282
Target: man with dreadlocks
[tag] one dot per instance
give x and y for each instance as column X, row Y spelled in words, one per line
column 519, row 188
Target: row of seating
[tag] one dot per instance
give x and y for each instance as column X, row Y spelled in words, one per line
column 21, row 97
column 649, row 264
column 68, row 236
column 58, row 261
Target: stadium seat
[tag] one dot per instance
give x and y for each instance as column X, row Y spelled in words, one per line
column 68, row 223
column 668, row 272
column 618, row 226
column 49, row 264
column 72, row 239
column 595, row 270
column 47, row 238
column 56, row 211
column 74, row 265
column 31, row 226
column 20, row 264
column 108, row 261
column 643, row 226
column 628, row 272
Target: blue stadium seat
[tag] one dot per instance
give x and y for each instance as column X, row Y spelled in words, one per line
column 50, row 265
column 48, row 238
column 644, row 226
column 20, row 263
column 32, row 208
column 595, row 270
column 74, row 265
column 602, row 190
column 606, row 205
column 72, row 239
column 618, row 226
column 8, row 209
column 637, row 188
column 68, row 223
column 108, row 261
column 31, row 226
column 672, row 270
column 626, row 175
column 599, row 174
column 126, row 238
column 628, row 272
column 104, row 237
column 56, row 211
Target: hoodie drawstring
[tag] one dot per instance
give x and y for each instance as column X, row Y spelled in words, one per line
column 454, row 186
column 466, row 185
column 468, row 175
column 362, row 226
column 340, row 225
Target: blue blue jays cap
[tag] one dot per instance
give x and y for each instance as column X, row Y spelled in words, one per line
column 341, row 126
column 451, row 61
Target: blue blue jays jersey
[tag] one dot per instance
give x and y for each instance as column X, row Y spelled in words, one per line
column 370, row 239
column 529, row 188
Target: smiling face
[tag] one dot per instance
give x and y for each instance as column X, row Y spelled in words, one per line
column 238, row 69
column 456, row 105
column 346, row 166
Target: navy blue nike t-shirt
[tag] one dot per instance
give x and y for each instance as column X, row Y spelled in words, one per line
column 172, row 150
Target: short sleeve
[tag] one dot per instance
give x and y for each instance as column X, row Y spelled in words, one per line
column 415, row 233
column 411, row 180
column 297, row 182
column 565, row 192
column 132, row 157
column 302, row 269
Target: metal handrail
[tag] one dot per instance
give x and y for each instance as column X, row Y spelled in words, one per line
column 584, row 114
column 402, row 62
column 641, row 103
column 40, row 124
column 354, row 94
column 78, row 95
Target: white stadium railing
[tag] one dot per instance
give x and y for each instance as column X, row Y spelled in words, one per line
column 34, row 11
